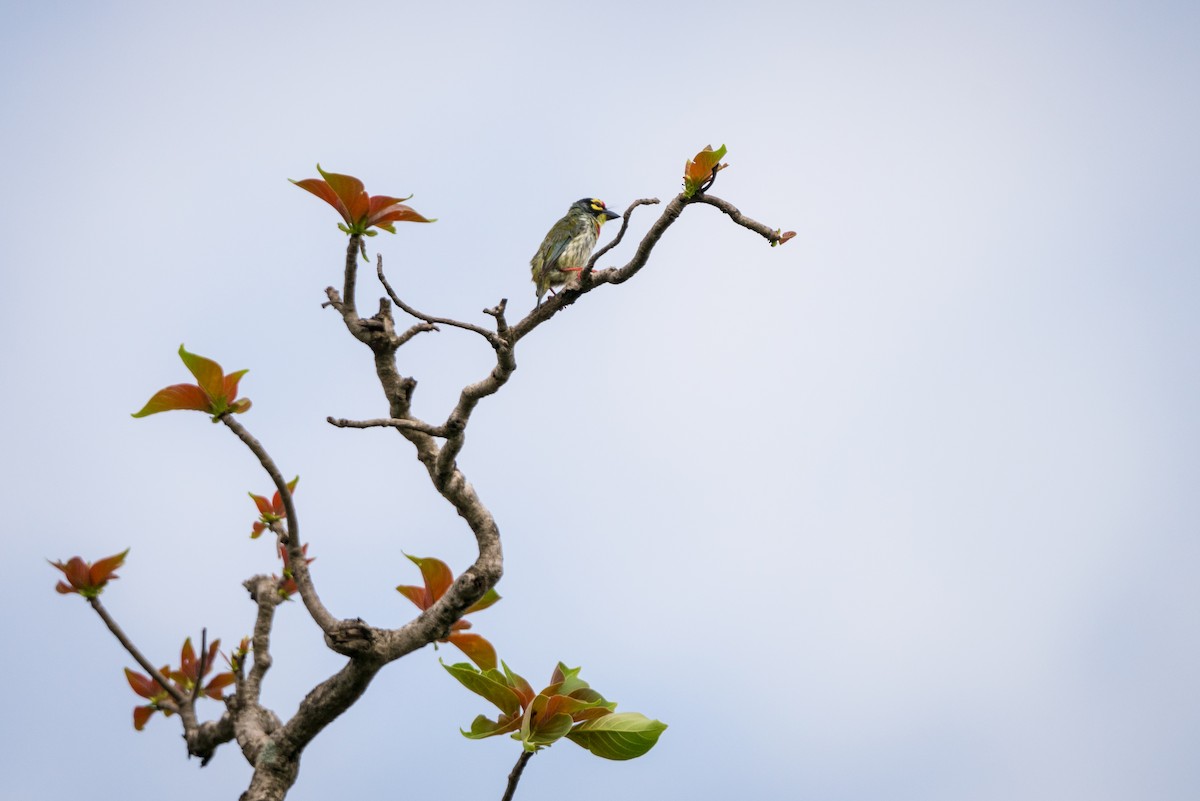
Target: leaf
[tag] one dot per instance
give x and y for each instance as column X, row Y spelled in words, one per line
column 208, row 373
column 697, row 171
column 324, row 191
column 523, row 689
column 488, row 685
column 102, row 571
column 547, row 730
column 230, row 385
column 143, row 685
column 264, row 506
column 490, row 597
column 350, row 191
column 219, row 682
column 482, row 727
column 437, row 575
column 177, row 396
column 477, row 649
column 568, row 679
column 624, row 735
column 141, row 714
column 783, row 238
column 187, row 660
column 417, row 595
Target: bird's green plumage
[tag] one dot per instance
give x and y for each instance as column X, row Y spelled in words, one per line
column 568, row 245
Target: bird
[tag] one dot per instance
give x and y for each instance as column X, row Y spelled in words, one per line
column 568, row 244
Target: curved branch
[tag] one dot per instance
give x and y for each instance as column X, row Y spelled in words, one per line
column 594, row 278
column 308, row 593
column 483, row 332
column 645, row 201
column 772, row 235
column 176, row 694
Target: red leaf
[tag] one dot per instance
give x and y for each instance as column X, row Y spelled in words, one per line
column 326, row 193
column 264, row 506
column 187, row 660
column 208, row 373
column 784, row 237
column 437, row 575
column 230, row 384
column 219, row 682
column 418, row 595
column 141, row 714
column 64, row 588
column 256, row 530
column 477, row 649
column 211, row 659
column 177, row 396
column 697, row 171
column 77, row 572
column 102, row 571
column 143, row 685
column 350, row 192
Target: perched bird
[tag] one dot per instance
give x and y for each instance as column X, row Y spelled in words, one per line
column 568, row 245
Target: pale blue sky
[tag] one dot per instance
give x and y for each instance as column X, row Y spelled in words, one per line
column 906, row 509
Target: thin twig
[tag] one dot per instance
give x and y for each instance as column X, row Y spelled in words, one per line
column 200, row 666
column 308, row 593
column 772, row 235
column 645, row 201
column 389, row 422
column 171, row 689
column 483, row 332
column 515, row 776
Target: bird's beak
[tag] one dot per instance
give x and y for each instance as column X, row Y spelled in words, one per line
column 609, row 214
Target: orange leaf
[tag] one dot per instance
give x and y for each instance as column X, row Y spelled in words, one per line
column 177, row 396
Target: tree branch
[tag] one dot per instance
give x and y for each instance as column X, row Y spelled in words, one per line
column 483, row 332
column 515, row 776
column 772, row 235
column 646, row 201
column 176, row 694
column 308, row 593
column 390, row 422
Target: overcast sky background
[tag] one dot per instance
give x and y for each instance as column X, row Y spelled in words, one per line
column 906, row 509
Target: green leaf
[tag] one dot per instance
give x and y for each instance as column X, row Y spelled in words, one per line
column 482, row 727
column 545, row 731
column 625, row 735
column 490, row 686
column 697, row 171
column 208, row 373
column 490, row 597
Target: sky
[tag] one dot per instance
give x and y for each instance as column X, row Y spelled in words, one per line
column 905, row 509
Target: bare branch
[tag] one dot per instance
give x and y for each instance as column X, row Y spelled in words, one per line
column 594, row 278
column 352, row 249
column 645, row 201
column 515, row 776
column 483, row 332
column 389, row 422
column 171, row 690
column 412, row 332
column 308, row 593
column 200, row 667
column 770, row 234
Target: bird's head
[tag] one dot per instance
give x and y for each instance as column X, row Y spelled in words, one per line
column 595, row 208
